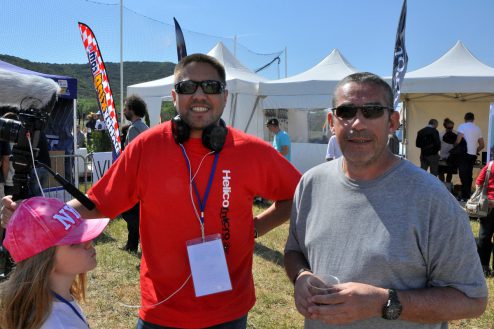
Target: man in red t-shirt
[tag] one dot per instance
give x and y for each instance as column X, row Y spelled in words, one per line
column 196, row 180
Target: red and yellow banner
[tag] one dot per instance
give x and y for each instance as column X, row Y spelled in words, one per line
column 102, row 85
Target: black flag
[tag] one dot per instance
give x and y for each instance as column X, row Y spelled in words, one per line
column 181, row 50
column 400, row 56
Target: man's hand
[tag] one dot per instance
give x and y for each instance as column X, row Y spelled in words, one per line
column 352, row 301
column 302, row 294
column 8, row 208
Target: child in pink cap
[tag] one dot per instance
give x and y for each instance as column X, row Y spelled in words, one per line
column 52, row 247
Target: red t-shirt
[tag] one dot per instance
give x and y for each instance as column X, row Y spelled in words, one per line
column 153, row 170
column 490, row 185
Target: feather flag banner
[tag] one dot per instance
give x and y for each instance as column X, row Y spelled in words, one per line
column 101, row 85
column 181, row 49
column 400, row 56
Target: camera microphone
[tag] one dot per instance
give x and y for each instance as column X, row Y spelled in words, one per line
column 27, row 91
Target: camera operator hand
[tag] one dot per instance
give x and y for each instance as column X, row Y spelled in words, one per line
column 8, row 208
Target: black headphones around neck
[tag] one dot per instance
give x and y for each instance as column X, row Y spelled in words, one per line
column 213, row 136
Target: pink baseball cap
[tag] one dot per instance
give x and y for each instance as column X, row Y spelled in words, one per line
column 39, row 223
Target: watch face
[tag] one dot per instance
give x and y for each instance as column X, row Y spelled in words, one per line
column 392, row 312
column 392, row 309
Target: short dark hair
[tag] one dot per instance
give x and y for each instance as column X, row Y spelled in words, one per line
column 448, row 123
column 469, row 116
column 199, row 58
column 137, row 105
column 367, row 78
column 433, row 122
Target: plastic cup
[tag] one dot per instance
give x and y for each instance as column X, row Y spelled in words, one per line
column 322, row 284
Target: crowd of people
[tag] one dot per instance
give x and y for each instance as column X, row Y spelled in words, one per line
column 404, row 257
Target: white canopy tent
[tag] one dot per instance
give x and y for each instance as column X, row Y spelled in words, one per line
column 242, row 84
column 451, row 86
column 301, row 93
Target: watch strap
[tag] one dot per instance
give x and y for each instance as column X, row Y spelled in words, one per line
column 302, row 270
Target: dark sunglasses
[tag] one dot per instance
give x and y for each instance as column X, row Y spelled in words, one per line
column 368, row 111
column 209, row 87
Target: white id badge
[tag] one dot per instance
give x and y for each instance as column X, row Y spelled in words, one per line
column 208, row 265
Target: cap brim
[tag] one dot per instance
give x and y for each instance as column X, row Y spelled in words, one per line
column 88, row 230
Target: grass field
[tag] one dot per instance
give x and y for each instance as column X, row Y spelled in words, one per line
column 116, row 281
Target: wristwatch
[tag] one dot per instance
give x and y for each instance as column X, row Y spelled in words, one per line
column 392, row 309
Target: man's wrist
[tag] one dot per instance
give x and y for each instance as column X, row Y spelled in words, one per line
column 299, row 273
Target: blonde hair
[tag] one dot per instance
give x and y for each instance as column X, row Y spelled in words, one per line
column 26, row 299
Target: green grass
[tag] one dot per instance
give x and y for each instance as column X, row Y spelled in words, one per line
column 116, row 280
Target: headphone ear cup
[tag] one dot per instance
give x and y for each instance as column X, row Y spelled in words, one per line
column 214, row 136
column 180, row 130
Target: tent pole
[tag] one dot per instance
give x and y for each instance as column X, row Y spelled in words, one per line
column 252, row 113
column 286, row 63
column 233, row 110
column 121, row 66
column 74, row 135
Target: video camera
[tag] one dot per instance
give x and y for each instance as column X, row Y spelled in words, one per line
column 34, row 98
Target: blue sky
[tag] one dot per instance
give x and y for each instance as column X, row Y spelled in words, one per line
column 363, row 30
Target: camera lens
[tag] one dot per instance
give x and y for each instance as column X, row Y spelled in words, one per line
column 9, row 130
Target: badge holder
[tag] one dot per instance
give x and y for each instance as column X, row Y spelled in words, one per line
column 208, row 265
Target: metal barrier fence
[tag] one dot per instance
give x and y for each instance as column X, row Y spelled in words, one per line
column 75, row 168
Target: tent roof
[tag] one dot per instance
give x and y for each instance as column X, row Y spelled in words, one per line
column 68, row 85
column 310, row 89
column 239, row 79
column 319, row 79
column 457, row 71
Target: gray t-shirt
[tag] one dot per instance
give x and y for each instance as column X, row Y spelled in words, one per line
column 403, row 230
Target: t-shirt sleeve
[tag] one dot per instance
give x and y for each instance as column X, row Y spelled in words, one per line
column 284, row 140
column 481, row 176
column 451, row 254
column 276, row 177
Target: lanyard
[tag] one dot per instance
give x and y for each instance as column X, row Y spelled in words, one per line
column 63, row 300
column 202, row 203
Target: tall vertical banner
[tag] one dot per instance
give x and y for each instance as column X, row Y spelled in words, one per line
column 101, row 85
column 400, row 56
column 181, row 50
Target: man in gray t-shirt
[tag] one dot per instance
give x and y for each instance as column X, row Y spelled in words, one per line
column 399, row 243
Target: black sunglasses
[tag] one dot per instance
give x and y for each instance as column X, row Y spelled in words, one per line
column 209, row 87
column 368, row 111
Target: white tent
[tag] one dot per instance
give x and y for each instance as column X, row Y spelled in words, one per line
column 310, row 89
column 242, row 85
column 301, row 93
column 451, row 86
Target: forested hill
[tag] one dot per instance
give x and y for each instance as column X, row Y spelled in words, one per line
column 134, row 72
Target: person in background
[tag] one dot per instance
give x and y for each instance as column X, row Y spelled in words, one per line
column 398, row 242
column 52, row 248
column 394, row 143
column 472, row 134
column 429, row 143
column 9, row 182
column 333, row 151
column 486, row 230
column 281, row 140
column 448, row 139
column 100, row 122
column 80, row 138
column 90, row 126
column 39, row 172
column 134, row 110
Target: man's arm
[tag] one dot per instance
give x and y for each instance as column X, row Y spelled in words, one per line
column 458, row 138
column 295, row 263
column 277, row 214
column 357, row 301
column 284, row 150
column 481, row 145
